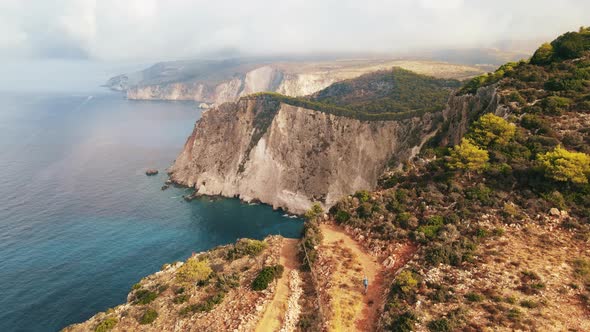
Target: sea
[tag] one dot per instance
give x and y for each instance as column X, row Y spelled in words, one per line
column 80, row 222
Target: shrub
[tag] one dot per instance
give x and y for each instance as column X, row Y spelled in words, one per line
column 431, row 227
column 474, row 297
column 529, row 304
column 481, row 193
column 106, row 325
column 555, row 105
column 565, row 166
column 440, row 325
column 362, row 195
column 468, row 157
column 582, row 270
column 342, row 216
column 536, row 124
column 180, row 299
column 144, row 296
column 403, row 323
column 556, row 199
column 404, row 283
column 246, row 247
column 543, row 55
column 492, row 130
column 365, row 210
column 314, row 212
column 136, row 286
column 148, row 317
column 266, row 276
column 194, row 270
column 205, row 306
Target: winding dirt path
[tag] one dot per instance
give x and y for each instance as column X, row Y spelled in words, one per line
column 365, row 315
column 272, row 320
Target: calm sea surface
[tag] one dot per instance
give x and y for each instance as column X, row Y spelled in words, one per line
column 79, row 220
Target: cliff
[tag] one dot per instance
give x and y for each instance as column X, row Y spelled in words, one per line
column 217, row 82
column 289, row 156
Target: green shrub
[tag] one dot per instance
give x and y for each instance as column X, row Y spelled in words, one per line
column 194, row 270
column 556, row 199
column 246, row 247
column 468, row 157
column 266, row 276
column 342, row 216
column 314, row 212
column 365, row 210
column 180, row 299
column 136, row 286
column 480, row 193
column 144, row 296
column 405, row 283
column 529, row 304
column 431, row 227
column 148, row 317
column 543, row 55
column 205, row 306
column 536, row 124
column 474, row 297
column 555, row 105
column 106, row 325
column 582, row 270
column 492, row 130
column 363, row 196
column 440, row 325
column 403, row 322
column 566, row 166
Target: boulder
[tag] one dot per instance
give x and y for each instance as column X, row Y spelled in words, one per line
column 555, row 212
column 151, row 171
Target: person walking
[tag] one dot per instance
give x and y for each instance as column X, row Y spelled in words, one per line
column 366, row 284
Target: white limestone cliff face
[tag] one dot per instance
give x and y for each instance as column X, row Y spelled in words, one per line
column 300, row 156
column 218, row 84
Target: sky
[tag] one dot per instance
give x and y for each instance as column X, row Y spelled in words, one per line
column 151, row 30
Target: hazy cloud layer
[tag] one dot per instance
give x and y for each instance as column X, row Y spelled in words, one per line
column 166, row 29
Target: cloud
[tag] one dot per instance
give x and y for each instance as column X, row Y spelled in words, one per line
column 168, row 29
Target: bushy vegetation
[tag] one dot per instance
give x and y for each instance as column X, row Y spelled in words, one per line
column 468, row 157
column 566, row 166
column 311, row 236
column 204, row 306
column 144, row 296
column 246, row 247
column 194, row 270
column 266, row 276
column 106, row 324
column 148, row 317
column 397, row 94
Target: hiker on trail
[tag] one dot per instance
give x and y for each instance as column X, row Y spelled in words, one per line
column 366, row 284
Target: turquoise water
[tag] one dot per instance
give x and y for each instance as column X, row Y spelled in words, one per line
column 80, row 222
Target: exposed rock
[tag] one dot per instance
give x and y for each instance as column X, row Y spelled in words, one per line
column 555, row 212
column 389, row 262
column 216, row 82
column 285, row 155
column 151, row 171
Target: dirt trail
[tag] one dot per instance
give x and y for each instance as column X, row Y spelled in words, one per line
column 273, row 316
column 365, row 315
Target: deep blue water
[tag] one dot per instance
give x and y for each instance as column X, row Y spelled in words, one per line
column 79, row 220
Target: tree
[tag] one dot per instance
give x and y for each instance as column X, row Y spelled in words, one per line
column 543, row 55
column 492, row 130
column 468, row 157
column 566, row 166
